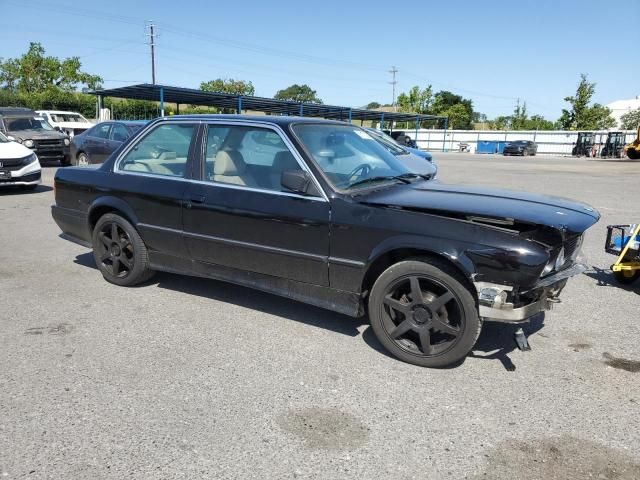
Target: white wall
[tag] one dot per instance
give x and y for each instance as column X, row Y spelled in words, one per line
column 550, row 142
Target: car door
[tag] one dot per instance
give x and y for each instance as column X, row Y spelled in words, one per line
column 95, row 144
column 239, row 216
column 152, row 173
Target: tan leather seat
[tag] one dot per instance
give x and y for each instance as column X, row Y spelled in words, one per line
column 230, row 167
column 283, row 162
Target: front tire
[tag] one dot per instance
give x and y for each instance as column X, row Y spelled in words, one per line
column 627, row 277
column 119, row 252
column 66, row 161
column 82, row 160
column 423, row 313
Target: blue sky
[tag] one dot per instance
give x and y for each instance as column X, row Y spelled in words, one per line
column 492, row 52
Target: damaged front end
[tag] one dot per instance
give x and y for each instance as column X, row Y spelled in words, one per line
column 519, row 301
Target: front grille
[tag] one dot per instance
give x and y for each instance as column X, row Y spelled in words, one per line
column 11, row 168
column 49, row 143
column 571, row 246
column 30, row 177
column 8, row 163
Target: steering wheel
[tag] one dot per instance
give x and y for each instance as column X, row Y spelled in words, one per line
column 358, row 172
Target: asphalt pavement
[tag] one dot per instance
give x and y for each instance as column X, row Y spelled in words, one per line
column 190, row 378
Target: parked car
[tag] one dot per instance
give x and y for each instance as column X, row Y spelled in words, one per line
column 520, row 147
column 101, row 140
column 71, row 123
column 34, row 132
column 318, row 211
column 19, row 166
column 402, row 138
column 415, row 161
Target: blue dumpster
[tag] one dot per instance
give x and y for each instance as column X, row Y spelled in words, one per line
column 487, row 146
column 500, row 147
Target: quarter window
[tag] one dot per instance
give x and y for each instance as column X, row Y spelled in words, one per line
column 247, row 156
column 163, row 151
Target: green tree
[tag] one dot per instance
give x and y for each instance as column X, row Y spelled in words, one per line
column 416, row 100
column 520, row 118
column 582, row 116
column 33, row 72
column 229, row 85
column 538, row 122
column 631, row 120
column 298, row 93
column 372, row 105
column 458, row 109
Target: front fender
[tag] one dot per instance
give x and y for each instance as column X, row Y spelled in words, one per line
column 454, row 251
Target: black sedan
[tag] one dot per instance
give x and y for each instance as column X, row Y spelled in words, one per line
column 318, row 211
column 520, row 147
column 100, row 141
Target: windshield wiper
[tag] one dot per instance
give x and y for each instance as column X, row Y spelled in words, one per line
column 403, row 178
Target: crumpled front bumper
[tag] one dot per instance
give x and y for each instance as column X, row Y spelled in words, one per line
column 493, row 303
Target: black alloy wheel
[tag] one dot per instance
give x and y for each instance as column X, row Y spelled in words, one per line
column 119, row 251
column 424, row 314
column 115, row 250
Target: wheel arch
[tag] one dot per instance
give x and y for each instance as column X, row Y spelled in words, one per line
column 104, row 205
column 386, row 255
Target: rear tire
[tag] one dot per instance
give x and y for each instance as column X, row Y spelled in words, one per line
column 119, row 252
column 423, row 312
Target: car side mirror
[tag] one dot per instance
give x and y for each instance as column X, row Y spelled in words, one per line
column 58, row 128
column 299, row 181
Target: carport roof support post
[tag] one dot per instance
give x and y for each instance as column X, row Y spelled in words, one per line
column 161, row 102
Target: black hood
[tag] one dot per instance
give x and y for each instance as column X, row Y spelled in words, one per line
column 37, row 134
column 470, row 201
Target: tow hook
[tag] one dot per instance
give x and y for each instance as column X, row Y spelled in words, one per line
column 521, row 340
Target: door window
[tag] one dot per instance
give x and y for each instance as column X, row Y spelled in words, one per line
column 163, row 151
column 101, row 131
column 247, row 156
column 119, row 133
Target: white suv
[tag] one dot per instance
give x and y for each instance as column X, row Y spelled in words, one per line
column 71, row 123
column 18, row 165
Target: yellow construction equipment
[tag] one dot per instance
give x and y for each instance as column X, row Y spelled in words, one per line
column 624, row 242
column 633, row 149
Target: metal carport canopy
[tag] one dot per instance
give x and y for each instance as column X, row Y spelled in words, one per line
column 191, row 96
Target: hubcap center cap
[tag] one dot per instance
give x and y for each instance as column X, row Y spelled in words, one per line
column 115, row 250
column 421, row 315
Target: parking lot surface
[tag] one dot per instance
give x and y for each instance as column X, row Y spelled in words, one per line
column 191, row 378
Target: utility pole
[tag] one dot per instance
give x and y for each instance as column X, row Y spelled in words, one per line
column 152, row 44
column 393, row 82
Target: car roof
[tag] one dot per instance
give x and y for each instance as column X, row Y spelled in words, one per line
column 59, row 111
column 16, row 111
column 272, row 119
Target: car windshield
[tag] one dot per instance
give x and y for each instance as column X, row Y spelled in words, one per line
column 68, row 117
column 387, row 142
column 27, row 123
column 3, row 139
column 349, row 156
